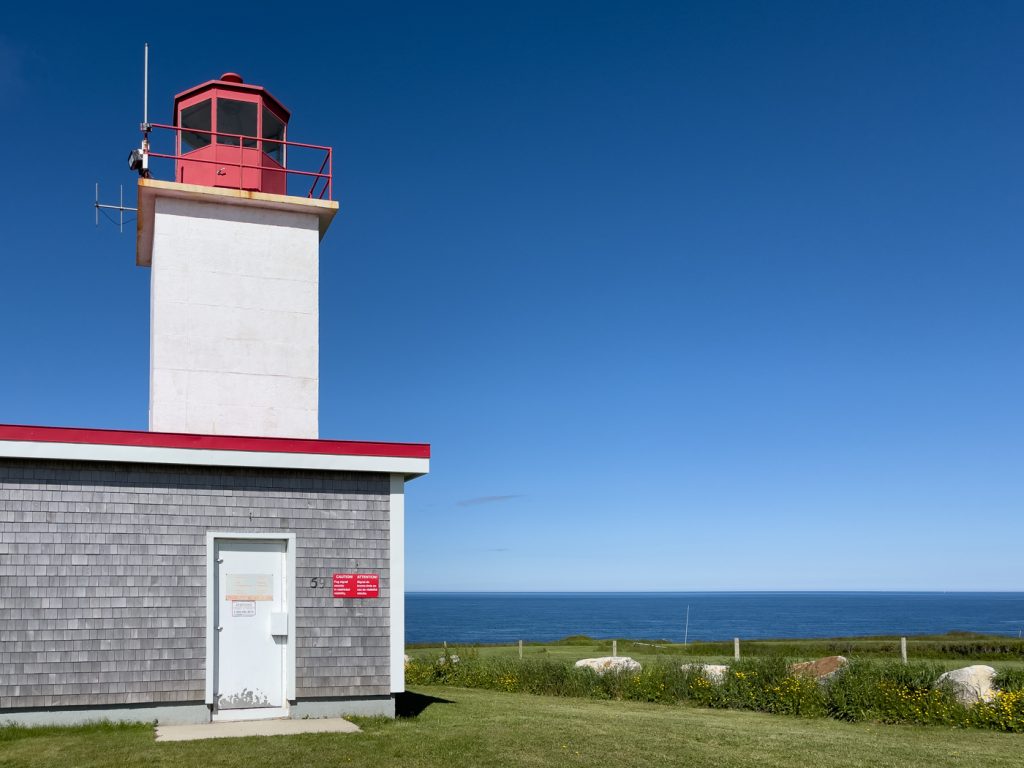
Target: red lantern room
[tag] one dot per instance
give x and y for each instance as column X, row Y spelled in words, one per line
column 231, row 134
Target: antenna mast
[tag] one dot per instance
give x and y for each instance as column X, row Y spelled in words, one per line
column 140, row 162
column 145, row 89
column 138, row 159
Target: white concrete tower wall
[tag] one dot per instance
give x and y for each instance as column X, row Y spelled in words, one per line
column 234, row 330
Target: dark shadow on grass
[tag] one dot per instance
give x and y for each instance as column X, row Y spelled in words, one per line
column 411, row 704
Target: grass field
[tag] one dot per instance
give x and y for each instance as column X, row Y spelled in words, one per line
column 951, row 650
column 461, row 727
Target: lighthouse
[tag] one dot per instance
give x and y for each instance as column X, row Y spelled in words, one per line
column 228, row 563
column 234, row 261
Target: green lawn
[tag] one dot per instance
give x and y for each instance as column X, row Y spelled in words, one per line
column 922, row 648
column 484, row 728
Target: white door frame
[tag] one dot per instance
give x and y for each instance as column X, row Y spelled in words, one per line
column 212, row 537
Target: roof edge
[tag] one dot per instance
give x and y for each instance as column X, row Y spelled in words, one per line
column 150, row 189
column 228, row 85
column 195, row 442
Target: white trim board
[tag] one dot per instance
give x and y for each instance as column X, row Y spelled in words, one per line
column 142, row 454
column 396, row 592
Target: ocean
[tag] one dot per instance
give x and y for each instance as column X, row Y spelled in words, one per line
column 505, row 617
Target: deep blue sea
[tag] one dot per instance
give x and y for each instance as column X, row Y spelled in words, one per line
column 503, row 617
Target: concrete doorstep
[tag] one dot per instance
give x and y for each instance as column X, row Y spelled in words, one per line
column 238, row 730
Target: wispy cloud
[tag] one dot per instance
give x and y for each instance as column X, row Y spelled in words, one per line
column 477, row 500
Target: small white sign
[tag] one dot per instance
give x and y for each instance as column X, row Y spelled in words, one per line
column 243, row 607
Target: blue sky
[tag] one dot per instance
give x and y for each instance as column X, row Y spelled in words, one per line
column 685, row 296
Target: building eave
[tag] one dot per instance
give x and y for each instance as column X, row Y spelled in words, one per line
column 151, row 189
column 109, row 445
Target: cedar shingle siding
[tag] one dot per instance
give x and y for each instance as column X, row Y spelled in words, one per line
column 103, row 577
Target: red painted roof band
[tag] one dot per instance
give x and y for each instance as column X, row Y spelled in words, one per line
column 211, row 442
column 229, row 85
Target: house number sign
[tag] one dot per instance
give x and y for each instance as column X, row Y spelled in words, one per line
column 349, row 585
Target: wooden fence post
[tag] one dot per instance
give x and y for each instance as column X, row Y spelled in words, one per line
column 903, row 649
column 615, row 648
column 520, row 649
column 736, row 648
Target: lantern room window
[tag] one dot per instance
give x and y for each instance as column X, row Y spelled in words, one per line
column 239, row 117
column 198, row 117
column 273, row 132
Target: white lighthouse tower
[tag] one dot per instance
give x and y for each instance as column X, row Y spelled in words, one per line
column 262, row 573
column 233, row 247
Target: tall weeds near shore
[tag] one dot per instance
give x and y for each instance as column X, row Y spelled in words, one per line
column 866, row 690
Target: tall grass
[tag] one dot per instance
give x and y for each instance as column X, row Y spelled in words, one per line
column 878, row 691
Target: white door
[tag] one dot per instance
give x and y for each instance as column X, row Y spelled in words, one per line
column 250, row 619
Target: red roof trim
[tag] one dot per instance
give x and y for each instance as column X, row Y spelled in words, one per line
column 230, row 86
column 211, row 442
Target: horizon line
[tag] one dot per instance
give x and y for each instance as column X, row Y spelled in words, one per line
column 715, row 592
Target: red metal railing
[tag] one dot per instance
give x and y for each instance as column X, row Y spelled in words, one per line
column 323, row 180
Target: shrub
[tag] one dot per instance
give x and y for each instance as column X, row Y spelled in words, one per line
column 1010, row 680
column 888, row 692
column 1004, row 713
column 891, row 692
column 766, row 685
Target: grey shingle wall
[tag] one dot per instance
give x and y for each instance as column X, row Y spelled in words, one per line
column 103, row 577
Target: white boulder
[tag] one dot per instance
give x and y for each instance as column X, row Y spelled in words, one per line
column 604, row 664
column 715, row 673
column 970, row 684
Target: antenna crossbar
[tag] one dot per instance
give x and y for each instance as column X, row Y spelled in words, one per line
column 120, row 208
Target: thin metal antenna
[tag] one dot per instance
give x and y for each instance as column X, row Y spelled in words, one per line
column 145, row 127
column 145, row 89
